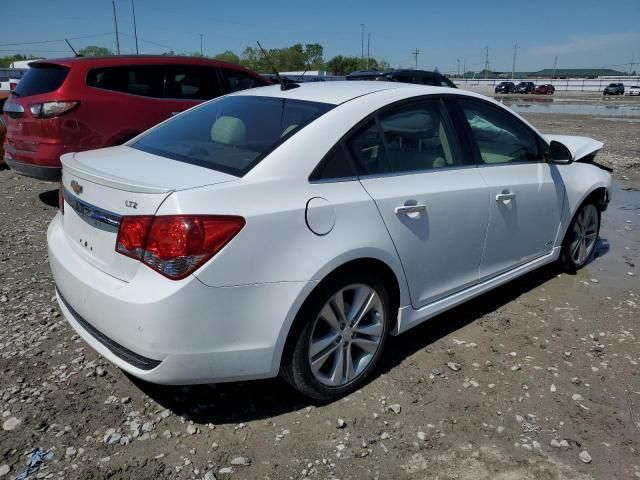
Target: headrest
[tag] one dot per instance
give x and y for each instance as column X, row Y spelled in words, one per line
column 229, row 131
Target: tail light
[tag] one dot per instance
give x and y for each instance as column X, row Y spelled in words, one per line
column 13, row 85
column 176, row 245
column 51, row 109
column 61, row 198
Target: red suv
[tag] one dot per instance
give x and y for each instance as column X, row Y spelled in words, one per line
column 76, row 104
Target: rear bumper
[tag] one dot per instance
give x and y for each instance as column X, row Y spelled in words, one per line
column 173, row 332
column 40, row 172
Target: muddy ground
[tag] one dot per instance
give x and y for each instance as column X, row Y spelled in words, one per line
column 548, row 369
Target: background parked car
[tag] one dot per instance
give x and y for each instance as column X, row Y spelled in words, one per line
column 635, row 90
column 420, row 77
column 3, row 131
column 614, row 89
column 545, row 89
column 525, row 87
column 76, row 104
column 505, row 87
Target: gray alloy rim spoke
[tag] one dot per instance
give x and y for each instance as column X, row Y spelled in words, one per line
column 346, row 335
column 585, row 233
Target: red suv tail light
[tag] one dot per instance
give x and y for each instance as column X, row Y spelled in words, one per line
column 176, row 245
column 51, row 109
column 13, row 85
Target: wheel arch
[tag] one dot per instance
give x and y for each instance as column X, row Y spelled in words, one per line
column 390, row 271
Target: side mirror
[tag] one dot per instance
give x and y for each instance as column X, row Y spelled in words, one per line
column 559, row 153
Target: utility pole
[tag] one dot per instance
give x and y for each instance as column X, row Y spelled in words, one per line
column 513, row 67
column 201, row 35
column 633, row 57
column 368, row 48
column 464, row 67
column 362, row 44
column 115, row 20
column 458, row 60
column 415, row 54
column 486, row 62
column 555, row 64
column 135, row 30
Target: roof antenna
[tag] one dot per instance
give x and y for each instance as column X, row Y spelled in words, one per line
column 283, row 85
column 72, row 49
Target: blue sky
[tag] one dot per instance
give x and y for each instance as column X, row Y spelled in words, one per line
column 582, row 33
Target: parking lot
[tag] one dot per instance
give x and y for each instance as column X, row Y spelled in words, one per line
column 518, row 383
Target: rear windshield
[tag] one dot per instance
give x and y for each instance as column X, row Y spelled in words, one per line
column 41, row 79
column 231, row 134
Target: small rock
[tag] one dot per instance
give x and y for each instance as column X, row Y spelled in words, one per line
column 147, row 427
column 500, row 429
column 70, row 452
column 454, row 366
column 384, row 436
column 564, row 444
column 11, row 424
column 554, row 443
column 552, row 388
column 101, row 372
column 225, row 470
column 585, row 457
column 395, row 408
column 4, row 469
column 125, row 400
column 192, row 429
column 577, row 397
column 209, row 476
column 112, row 438
column 341, row 423
column 422, row 436
column 241, row 461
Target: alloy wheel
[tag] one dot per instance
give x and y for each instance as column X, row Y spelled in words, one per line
column 584, row 234
column 346, row 335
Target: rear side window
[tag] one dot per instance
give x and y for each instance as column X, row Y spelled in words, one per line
column 144, row 80
column 239, row 80
column 43, row 78
column 232, row 134
column 192, row 83
column 408, row 138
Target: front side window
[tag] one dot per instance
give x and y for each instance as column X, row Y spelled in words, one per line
column 232, row 134
column 144, row 80
column 500, row 137
column 407, row 138
column 192, row 83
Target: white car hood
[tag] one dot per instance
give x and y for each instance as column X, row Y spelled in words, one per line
column 580, row 147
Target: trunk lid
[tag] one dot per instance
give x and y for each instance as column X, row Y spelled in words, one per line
column 101, row 186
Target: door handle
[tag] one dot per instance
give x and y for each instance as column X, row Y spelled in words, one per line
column 409, row 209
column 505, row 197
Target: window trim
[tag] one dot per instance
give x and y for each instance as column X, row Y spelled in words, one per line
column 458, row 146
column 472, row 144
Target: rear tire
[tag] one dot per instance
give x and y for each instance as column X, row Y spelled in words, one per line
column 581, row 238
column 338, row 336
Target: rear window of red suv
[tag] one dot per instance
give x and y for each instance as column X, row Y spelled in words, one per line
column 41, row 78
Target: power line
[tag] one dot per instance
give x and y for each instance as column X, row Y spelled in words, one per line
column 55, row 41
column 135, row 29
column 157, row 44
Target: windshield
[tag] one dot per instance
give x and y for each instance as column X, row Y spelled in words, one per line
column 43, row 78
column 232, row 134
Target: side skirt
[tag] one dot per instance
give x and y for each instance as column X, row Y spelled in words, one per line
column 409, row 317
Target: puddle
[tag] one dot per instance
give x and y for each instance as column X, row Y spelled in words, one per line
column 575, row 108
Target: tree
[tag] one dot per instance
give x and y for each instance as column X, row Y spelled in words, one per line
column 228, row 56
column 313, row 53
column 94, row 51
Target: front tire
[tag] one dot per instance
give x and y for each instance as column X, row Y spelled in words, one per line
column 338, row 336
column 581, row 237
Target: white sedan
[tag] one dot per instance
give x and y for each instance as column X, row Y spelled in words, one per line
column 291, row 231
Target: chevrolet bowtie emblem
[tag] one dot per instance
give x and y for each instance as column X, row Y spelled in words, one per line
column 76, row 187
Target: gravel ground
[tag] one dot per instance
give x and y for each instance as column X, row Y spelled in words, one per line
column 536, row 380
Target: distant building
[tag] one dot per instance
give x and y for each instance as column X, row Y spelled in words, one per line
column 576, row 73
